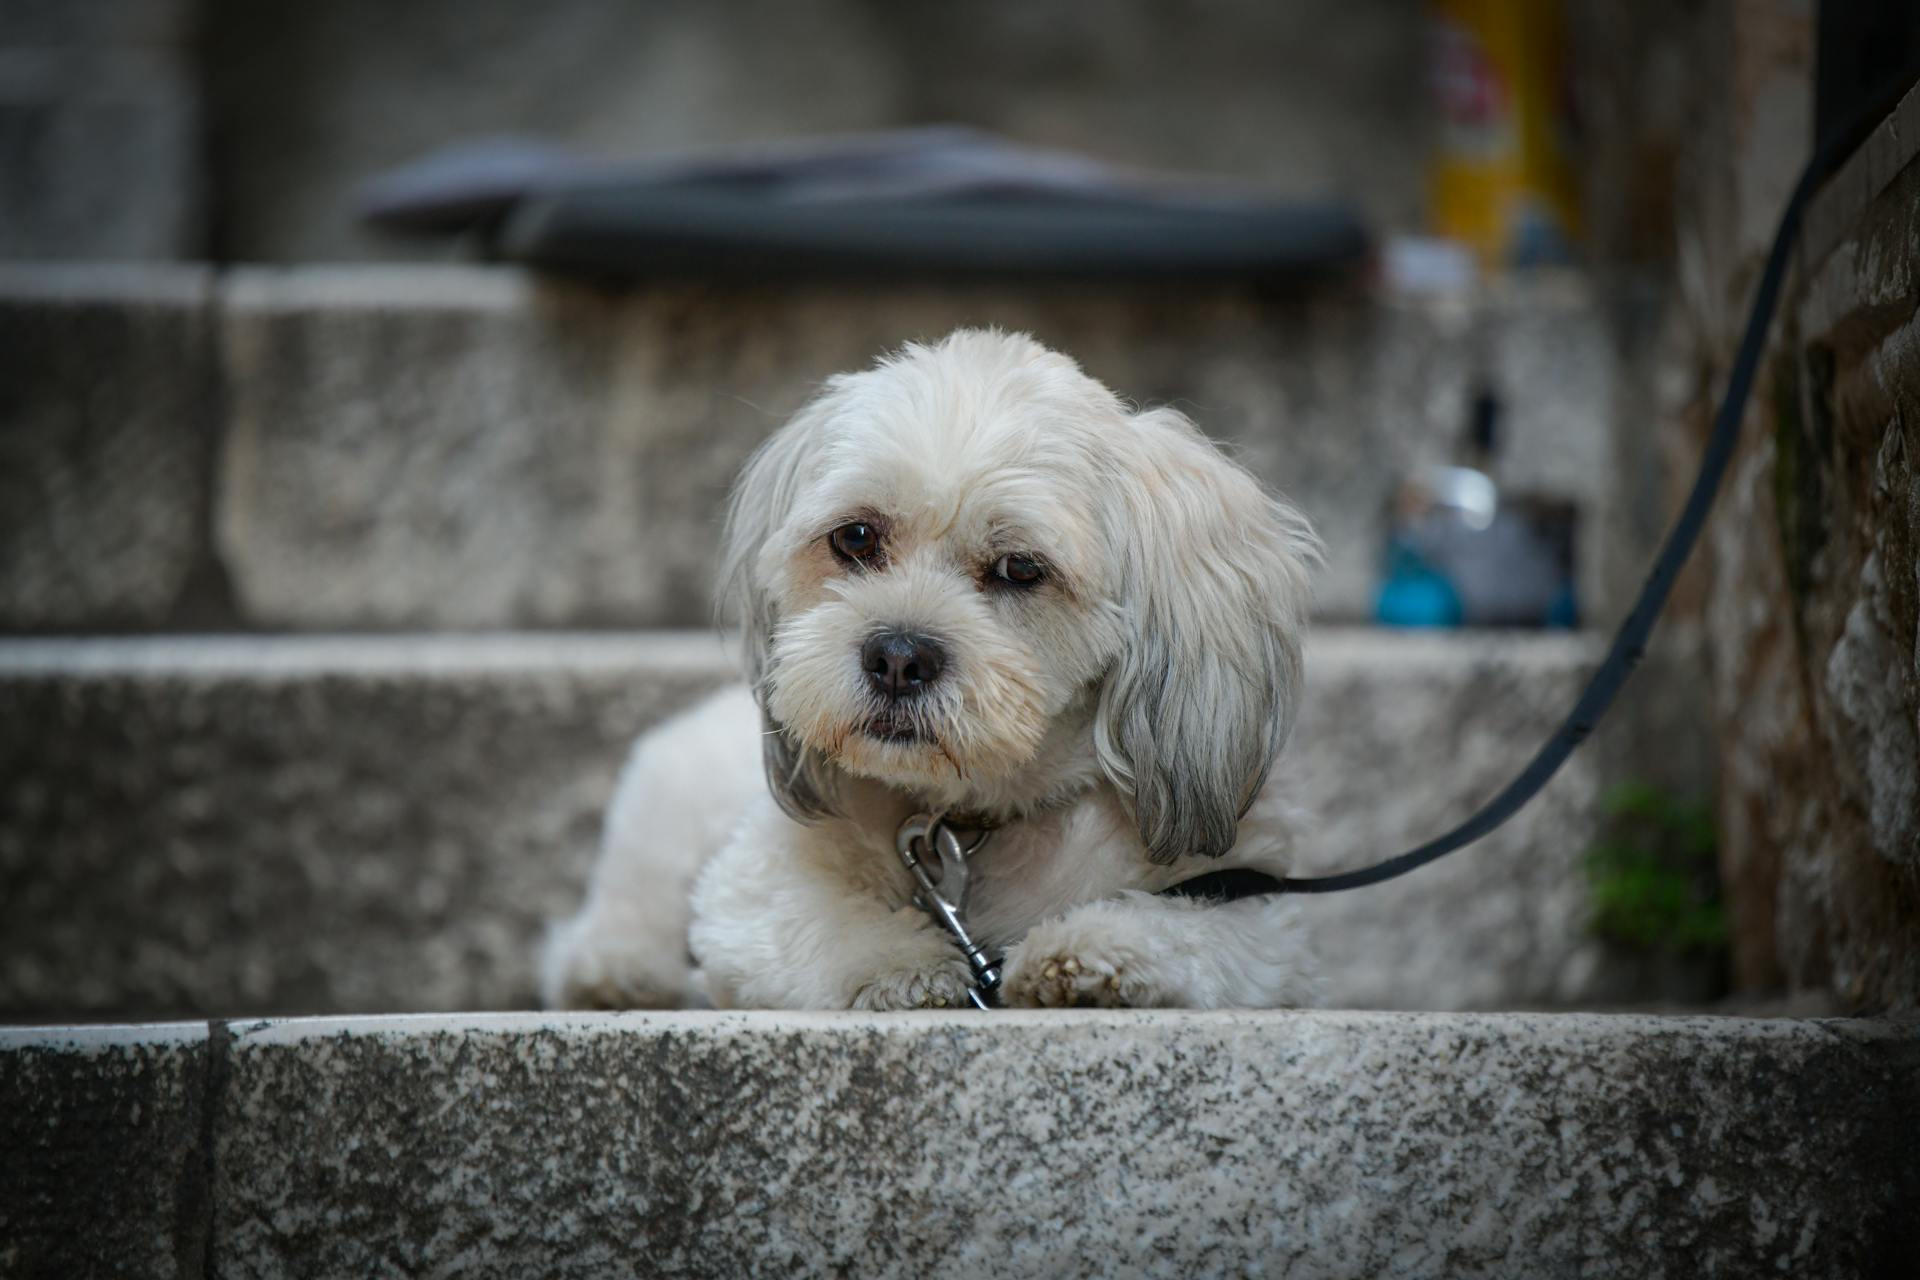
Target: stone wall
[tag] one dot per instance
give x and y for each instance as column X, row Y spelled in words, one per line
column 1813, row 581
column 239, row 129
column 1800, row 604
column 1317, row 97
column 100, row 130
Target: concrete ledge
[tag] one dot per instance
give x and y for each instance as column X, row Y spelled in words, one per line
column 103, row 1151
column 229, row 825
column 1037, row 1145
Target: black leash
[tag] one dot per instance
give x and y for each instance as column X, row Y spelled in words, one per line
column 1630, row 641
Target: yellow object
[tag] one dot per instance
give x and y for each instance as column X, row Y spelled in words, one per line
column 1502, row 183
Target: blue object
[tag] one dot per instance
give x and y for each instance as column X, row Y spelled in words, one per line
column 1415, row 594
column 1565, row 609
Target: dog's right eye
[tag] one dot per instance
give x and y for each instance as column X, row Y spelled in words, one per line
column 856, row 541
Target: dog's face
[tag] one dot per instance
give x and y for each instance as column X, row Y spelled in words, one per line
column 969, row 568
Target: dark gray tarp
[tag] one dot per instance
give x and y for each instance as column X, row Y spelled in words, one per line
column 949, row 201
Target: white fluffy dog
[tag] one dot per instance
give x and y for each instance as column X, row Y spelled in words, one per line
column 972, row 583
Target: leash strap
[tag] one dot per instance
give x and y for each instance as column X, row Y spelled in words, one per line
column 1226, row 886
column 1630, row 641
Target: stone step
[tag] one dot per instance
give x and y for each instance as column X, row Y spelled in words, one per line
column 1009, row 1144
column 477, row 447
column 215, row 826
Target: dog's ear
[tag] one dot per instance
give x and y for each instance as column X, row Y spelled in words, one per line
column 758, row 513
column 1214, row 589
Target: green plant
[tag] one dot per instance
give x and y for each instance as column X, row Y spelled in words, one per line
column 1653, row 873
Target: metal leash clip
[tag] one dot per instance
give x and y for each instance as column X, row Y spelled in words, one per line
column 938, row 863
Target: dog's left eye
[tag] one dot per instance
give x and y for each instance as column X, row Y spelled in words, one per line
column 1019, row 571
column 856, row 541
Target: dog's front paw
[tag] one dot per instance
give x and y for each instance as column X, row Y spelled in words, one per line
column 585, row 964
column 1058, row 978
column 938, row 985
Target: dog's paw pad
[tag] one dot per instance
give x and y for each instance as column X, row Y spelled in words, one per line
column 942, row 988
column 1071, row 981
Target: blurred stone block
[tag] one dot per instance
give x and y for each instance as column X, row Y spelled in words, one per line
column 420, row 447
column 93, row 23
column 203, row 826
column 102, row 1154
column 469, row 448
column 1309, row 99
column 1402, row 736
column 209, row 826
column 107, row 413
column 100, row 131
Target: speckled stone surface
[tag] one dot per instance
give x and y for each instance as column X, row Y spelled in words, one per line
column 103, row 1140
column 1016, row 1144
column 107, row 425
column 1091, row 1144
column 216, row 827
column 308, row 825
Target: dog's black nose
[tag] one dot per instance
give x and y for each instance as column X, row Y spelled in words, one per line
column 899, row 664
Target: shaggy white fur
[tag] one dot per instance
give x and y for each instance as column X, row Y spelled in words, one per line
column 1108, row 616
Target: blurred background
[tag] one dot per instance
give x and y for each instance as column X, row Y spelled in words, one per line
column 372, row 374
